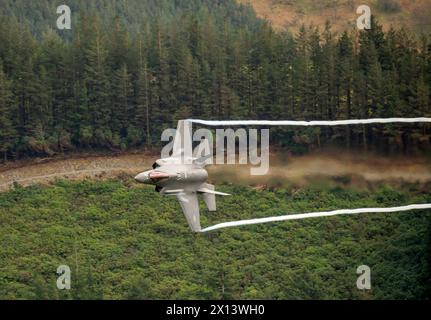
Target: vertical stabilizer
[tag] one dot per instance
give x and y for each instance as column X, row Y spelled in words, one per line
column 183, row 142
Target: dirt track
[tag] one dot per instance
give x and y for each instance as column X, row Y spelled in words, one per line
column 46, row 170
column 296, row 170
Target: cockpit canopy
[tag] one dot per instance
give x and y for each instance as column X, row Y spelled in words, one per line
column 157, row 175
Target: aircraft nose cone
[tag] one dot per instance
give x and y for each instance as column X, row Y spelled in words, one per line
column 142, row 177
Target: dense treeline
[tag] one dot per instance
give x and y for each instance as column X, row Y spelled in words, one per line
column 125, row 242
column 41, row 15
column 116, row 82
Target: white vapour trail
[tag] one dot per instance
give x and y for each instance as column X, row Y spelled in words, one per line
column 317, row 214
column 306, row 123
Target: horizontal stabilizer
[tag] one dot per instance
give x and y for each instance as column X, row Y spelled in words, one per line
column 208, row 190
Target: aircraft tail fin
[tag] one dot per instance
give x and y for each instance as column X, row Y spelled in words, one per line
column 182, row 148
column 203, row 161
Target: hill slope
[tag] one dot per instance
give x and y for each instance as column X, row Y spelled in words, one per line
column 415, row 15
column 125, row 241
column 41, row 15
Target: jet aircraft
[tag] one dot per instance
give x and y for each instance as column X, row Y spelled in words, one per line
column 183, row 176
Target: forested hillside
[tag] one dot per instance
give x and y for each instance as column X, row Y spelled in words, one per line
column 124, row 241
column 129, row 69
column 135, row 14
column 290, row 14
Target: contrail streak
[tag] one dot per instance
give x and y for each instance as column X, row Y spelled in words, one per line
column 307, row 123
column 317, row 214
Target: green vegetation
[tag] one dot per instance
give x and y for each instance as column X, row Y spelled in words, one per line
column 129, row 69
column 125, row 241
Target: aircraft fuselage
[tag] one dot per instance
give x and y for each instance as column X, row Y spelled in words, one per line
column 174, row 176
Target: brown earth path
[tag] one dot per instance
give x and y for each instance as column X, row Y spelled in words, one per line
column 293, row 169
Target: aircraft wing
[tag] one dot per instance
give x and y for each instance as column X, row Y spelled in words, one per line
column 190, row 205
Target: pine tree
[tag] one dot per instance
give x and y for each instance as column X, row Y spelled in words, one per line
column 163, row 109
column 142, row 113
column 122, row 99
column 7, row 111
column 344, row 85
column 96, row 79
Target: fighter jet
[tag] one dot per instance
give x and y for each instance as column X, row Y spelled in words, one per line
column 183, row 176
